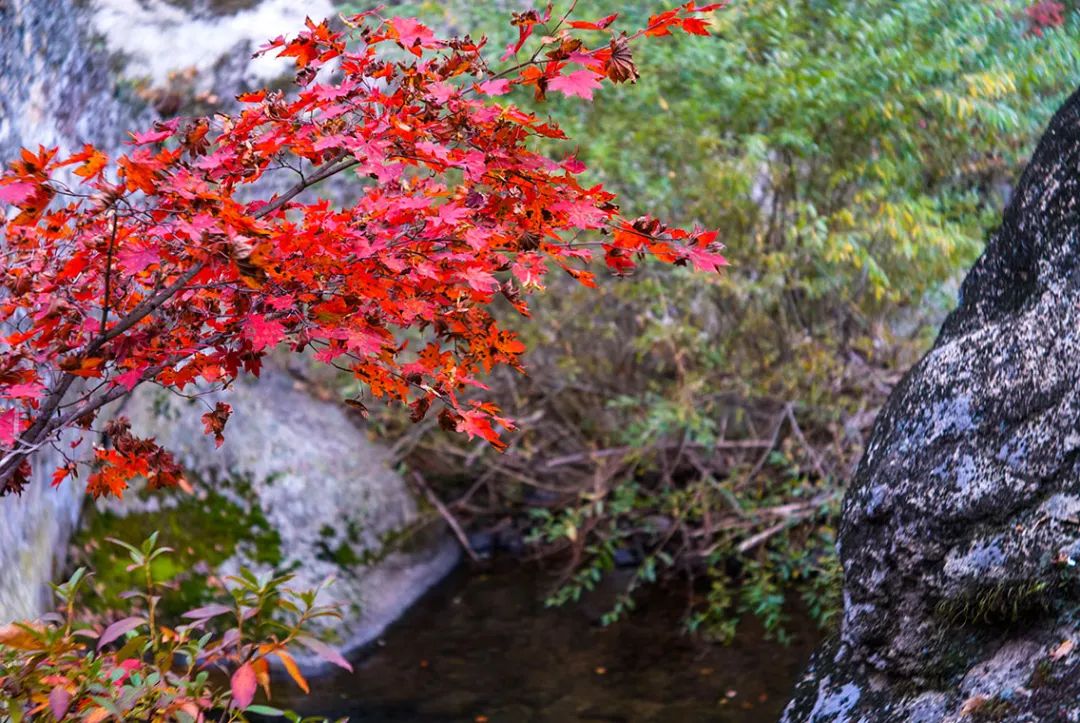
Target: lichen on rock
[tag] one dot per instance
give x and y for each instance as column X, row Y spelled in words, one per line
column 962, row 524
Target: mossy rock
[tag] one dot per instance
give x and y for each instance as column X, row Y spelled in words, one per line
column 204, row 529
column 297, row 487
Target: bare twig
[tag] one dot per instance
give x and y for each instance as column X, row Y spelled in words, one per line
column 618, row 451
column 108, row 274
column 447, row 515
column 815, row 458
column 777, row 428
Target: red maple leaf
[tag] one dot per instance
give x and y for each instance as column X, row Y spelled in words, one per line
column 214, row 422
column 495, row 87
column 581, row 83
column 9, row 427
column 16, row 193
column 476, row 423
column 411, row 33
column 142, row 139
column 134, row 259
column 30, row 390
column 263, row 332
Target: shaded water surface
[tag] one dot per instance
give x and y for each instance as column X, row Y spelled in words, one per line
column 482, row 647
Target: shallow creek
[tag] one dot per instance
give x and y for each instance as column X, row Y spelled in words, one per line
column 482, row 647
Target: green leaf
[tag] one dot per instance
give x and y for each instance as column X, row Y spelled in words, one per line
column 265, row 710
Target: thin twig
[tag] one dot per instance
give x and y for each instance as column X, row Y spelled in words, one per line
column 446, row 515
column 108, row 274
column 815, row 458
column 768, row 450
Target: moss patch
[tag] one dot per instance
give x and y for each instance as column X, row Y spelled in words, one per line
column 1001, row 604
column 204, row 530
column 344, row 547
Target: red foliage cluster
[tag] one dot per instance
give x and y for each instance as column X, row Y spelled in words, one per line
column 1044, row 14
column 157, row 267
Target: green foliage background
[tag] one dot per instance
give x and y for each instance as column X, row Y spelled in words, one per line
column 854, row 155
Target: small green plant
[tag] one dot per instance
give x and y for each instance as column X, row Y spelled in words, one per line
column 137, row 669
column 998, row 604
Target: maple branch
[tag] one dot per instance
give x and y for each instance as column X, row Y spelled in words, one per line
column 303, row 184
column 108, row 274
column 143, row 309
column 309, row 255
column 119, row 391
column 567, row 14
column 34, row 436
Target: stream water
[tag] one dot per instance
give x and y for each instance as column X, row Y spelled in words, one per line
column 482, row 647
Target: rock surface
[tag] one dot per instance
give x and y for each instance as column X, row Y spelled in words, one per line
column 34, row 530
column 325, row 489
column 57, row 91
column 961, row 529
column 56, row 87
column 199, row 35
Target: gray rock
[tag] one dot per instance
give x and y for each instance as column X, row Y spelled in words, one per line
column 34, row 530
column 56, row 87
column 325, row 488
column 200, row 34
column 55, row 90
column 962, row 524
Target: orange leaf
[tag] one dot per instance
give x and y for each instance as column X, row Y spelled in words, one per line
column 16, row 635
column 1062, row 650
column 97, row 716
column 293, row 670
column 262, row 673
column 93, row 165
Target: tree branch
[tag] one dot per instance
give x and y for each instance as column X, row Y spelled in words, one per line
column 41, row 427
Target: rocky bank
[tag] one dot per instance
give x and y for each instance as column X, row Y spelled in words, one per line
column 961, row 531
column 319, row 497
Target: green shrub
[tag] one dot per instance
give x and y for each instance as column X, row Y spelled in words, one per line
column 855, row 154
column 139, row 669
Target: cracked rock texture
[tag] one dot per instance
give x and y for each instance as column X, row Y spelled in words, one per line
column 56, row 90
column 962, row 525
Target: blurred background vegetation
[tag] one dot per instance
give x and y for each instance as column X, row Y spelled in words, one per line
column 699, row 430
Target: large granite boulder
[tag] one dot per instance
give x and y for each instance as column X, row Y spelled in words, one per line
column 961, row 529
column 314, row 495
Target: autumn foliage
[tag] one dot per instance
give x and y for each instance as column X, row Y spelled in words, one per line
column 137, row 669
column 1044, row 14
column 186, row 260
